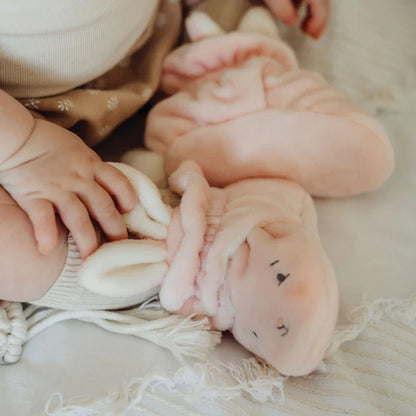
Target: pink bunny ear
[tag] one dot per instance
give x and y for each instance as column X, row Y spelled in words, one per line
column 197, row 60
column 185, row 236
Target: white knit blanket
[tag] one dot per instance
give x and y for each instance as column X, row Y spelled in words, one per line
column 368, row 51
column 373, row 374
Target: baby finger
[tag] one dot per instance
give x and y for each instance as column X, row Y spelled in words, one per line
column 76, row 218
column 317, row 17
column 42, row 216
column 116, row 184
column 102, row 209
column 285, row 10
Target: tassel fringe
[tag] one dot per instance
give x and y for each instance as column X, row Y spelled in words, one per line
column 203, row 381
column 369, row 313
column 184, row 337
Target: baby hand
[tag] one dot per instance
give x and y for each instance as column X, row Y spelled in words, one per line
column 315, row 20
column 56, row 170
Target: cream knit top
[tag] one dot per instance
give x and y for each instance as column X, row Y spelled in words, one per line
column 51, row 46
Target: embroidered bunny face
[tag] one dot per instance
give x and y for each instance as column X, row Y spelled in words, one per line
column 283, row 297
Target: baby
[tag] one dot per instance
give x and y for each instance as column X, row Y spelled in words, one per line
column 50, row 181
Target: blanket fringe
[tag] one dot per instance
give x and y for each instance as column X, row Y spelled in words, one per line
column 203, row 381
column 184, row 337
column 13, row 331
column 399, row 310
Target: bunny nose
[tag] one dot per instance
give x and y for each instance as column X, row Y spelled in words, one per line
column 279, row 323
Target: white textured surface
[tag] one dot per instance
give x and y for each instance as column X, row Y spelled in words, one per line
column 368, row 50
column 371, row 238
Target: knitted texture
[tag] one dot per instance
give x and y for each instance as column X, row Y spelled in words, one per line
column 50, row 47
column 370, row 372
column 183, row 337
column 367, row 51
column 13, row 331
column 67, row 293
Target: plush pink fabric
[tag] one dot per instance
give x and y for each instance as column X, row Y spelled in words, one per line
column 242, row 109
column 229, row 248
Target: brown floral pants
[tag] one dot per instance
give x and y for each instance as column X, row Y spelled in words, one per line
column 97, row 108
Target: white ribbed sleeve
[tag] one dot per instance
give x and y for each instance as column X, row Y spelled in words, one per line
column 48, row 46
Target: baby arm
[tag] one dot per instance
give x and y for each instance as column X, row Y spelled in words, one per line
column 46, row 168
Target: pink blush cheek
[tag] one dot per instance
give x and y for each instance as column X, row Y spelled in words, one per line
column 299, row 291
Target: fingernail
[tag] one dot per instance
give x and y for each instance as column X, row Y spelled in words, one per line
column 44, row 249
column 315, row 35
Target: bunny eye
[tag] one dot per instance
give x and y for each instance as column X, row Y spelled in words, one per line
column 282, row 277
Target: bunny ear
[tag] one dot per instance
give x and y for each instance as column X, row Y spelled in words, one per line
column 197, row 60
column 178, row 285
column 256, row 20
column 125, row 268
column 151, row 216
column 259, row 20
column 200, row 26
column 138, row 223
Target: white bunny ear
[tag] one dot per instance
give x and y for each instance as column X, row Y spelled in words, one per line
column 125, row 268
column 151, row 216
column 200, row 26
column 138, row 223
column 259, row 20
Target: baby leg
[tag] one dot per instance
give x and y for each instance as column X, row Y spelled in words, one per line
column 25, row 273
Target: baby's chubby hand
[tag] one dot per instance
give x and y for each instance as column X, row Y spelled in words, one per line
column 56, row 171
column 316, row 18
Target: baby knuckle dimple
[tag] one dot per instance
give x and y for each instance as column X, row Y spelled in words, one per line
column 101, row 166
column 94, row 159
column 84, row 175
